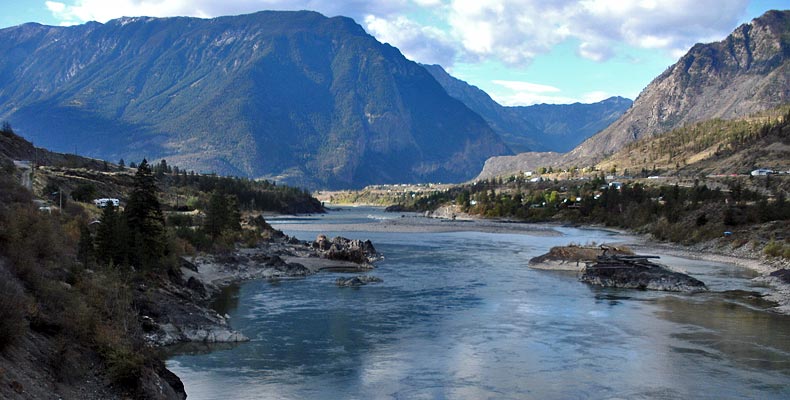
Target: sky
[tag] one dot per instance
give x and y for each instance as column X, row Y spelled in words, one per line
column 521, row 52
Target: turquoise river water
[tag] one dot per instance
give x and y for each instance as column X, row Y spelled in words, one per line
column 459, row 315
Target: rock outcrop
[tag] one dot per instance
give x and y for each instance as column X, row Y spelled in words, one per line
column 343, row 249
column 637, row 272
column 179, row 309
column 357, row 281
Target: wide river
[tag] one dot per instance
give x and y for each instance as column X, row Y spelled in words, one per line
column 459, row 315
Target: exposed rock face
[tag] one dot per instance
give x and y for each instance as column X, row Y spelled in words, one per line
column 357, row 281
column 745, row 73
column 637, row 273
column 342, row 249
column 783, row 275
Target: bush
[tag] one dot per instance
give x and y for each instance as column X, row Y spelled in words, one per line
column 776, row 249
column 13, row 303
column 85, row 192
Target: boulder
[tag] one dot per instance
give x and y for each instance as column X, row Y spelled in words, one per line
column 357, row 281
column 637, row 272
column 783, row 275
column 322, row 243
column 343, row 249
column 293, row 269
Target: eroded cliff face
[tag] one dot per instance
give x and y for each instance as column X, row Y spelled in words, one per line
column 745, row 73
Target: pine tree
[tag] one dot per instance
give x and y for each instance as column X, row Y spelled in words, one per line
column 111, row 238
column 145, row 220
column 85, row 250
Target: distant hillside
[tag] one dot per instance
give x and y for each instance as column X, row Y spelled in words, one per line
column 542, row 127
column 711, row 147
column 13, row 147
column 747, row 72
column 291, row 96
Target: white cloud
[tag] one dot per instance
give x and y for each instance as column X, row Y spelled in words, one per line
column 595, row 96
column 511, row 31
column 526, row 86
column 425, row 44
column 103, row 10
column 55, row 6
column 515, row 31
column 520, row 93
column 528, row 99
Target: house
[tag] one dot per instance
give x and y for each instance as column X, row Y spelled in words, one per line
column 763, row 172
column 104, row 202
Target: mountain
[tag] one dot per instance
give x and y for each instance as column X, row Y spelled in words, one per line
column 745, row 73
column 712, row 147
column 542, row 127
column 290, row 96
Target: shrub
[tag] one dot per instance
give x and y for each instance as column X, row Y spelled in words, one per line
column 85, row 192
column 13, row 323
column 776, row 249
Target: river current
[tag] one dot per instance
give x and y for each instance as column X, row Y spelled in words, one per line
column 459, row 315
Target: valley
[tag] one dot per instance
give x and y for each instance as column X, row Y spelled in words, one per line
column 284, row 204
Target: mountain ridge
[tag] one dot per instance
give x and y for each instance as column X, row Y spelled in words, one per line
column 293, row 96
column 539, row 127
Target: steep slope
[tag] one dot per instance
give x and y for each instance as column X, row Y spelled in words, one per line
column 720, row 147
column 542, row 127
column 745, row 73
column 293, row 96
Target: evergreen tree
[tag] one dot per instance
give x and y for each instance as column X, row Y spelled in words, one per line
column 111, row 238
column 222, row 213
column 85, row 247
column 145, row 220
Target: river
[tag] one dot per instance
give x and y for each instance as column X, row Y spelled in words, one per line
column 459, row 315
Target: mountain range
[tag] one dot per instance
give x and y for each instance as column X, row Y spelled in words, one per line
column 540, row 127
column 747, row 72
column 290, row 96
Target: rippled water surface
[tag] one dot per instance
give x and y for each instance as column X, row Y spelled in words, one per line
column 460, row 316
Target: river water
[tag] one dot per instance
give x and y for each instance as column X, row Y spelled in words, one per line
column 459, row 315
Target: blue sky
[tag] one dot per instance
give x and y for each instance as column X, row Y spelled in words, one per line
column 519, row 51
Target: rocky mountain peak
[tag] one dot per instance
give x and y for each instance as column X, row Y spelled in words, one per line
column 747, row 72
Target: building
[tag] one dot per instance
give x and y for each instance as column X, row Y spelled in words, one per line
column 763, row 172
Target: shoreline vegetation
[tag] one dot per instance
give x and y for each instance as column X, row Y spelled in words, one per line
column 88, row 292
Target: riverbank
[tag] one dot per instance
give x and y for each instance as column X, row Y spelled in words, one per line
column 179, row 311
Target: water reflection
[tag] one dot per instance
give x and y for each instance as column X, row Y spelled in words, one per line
column 460, row 316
